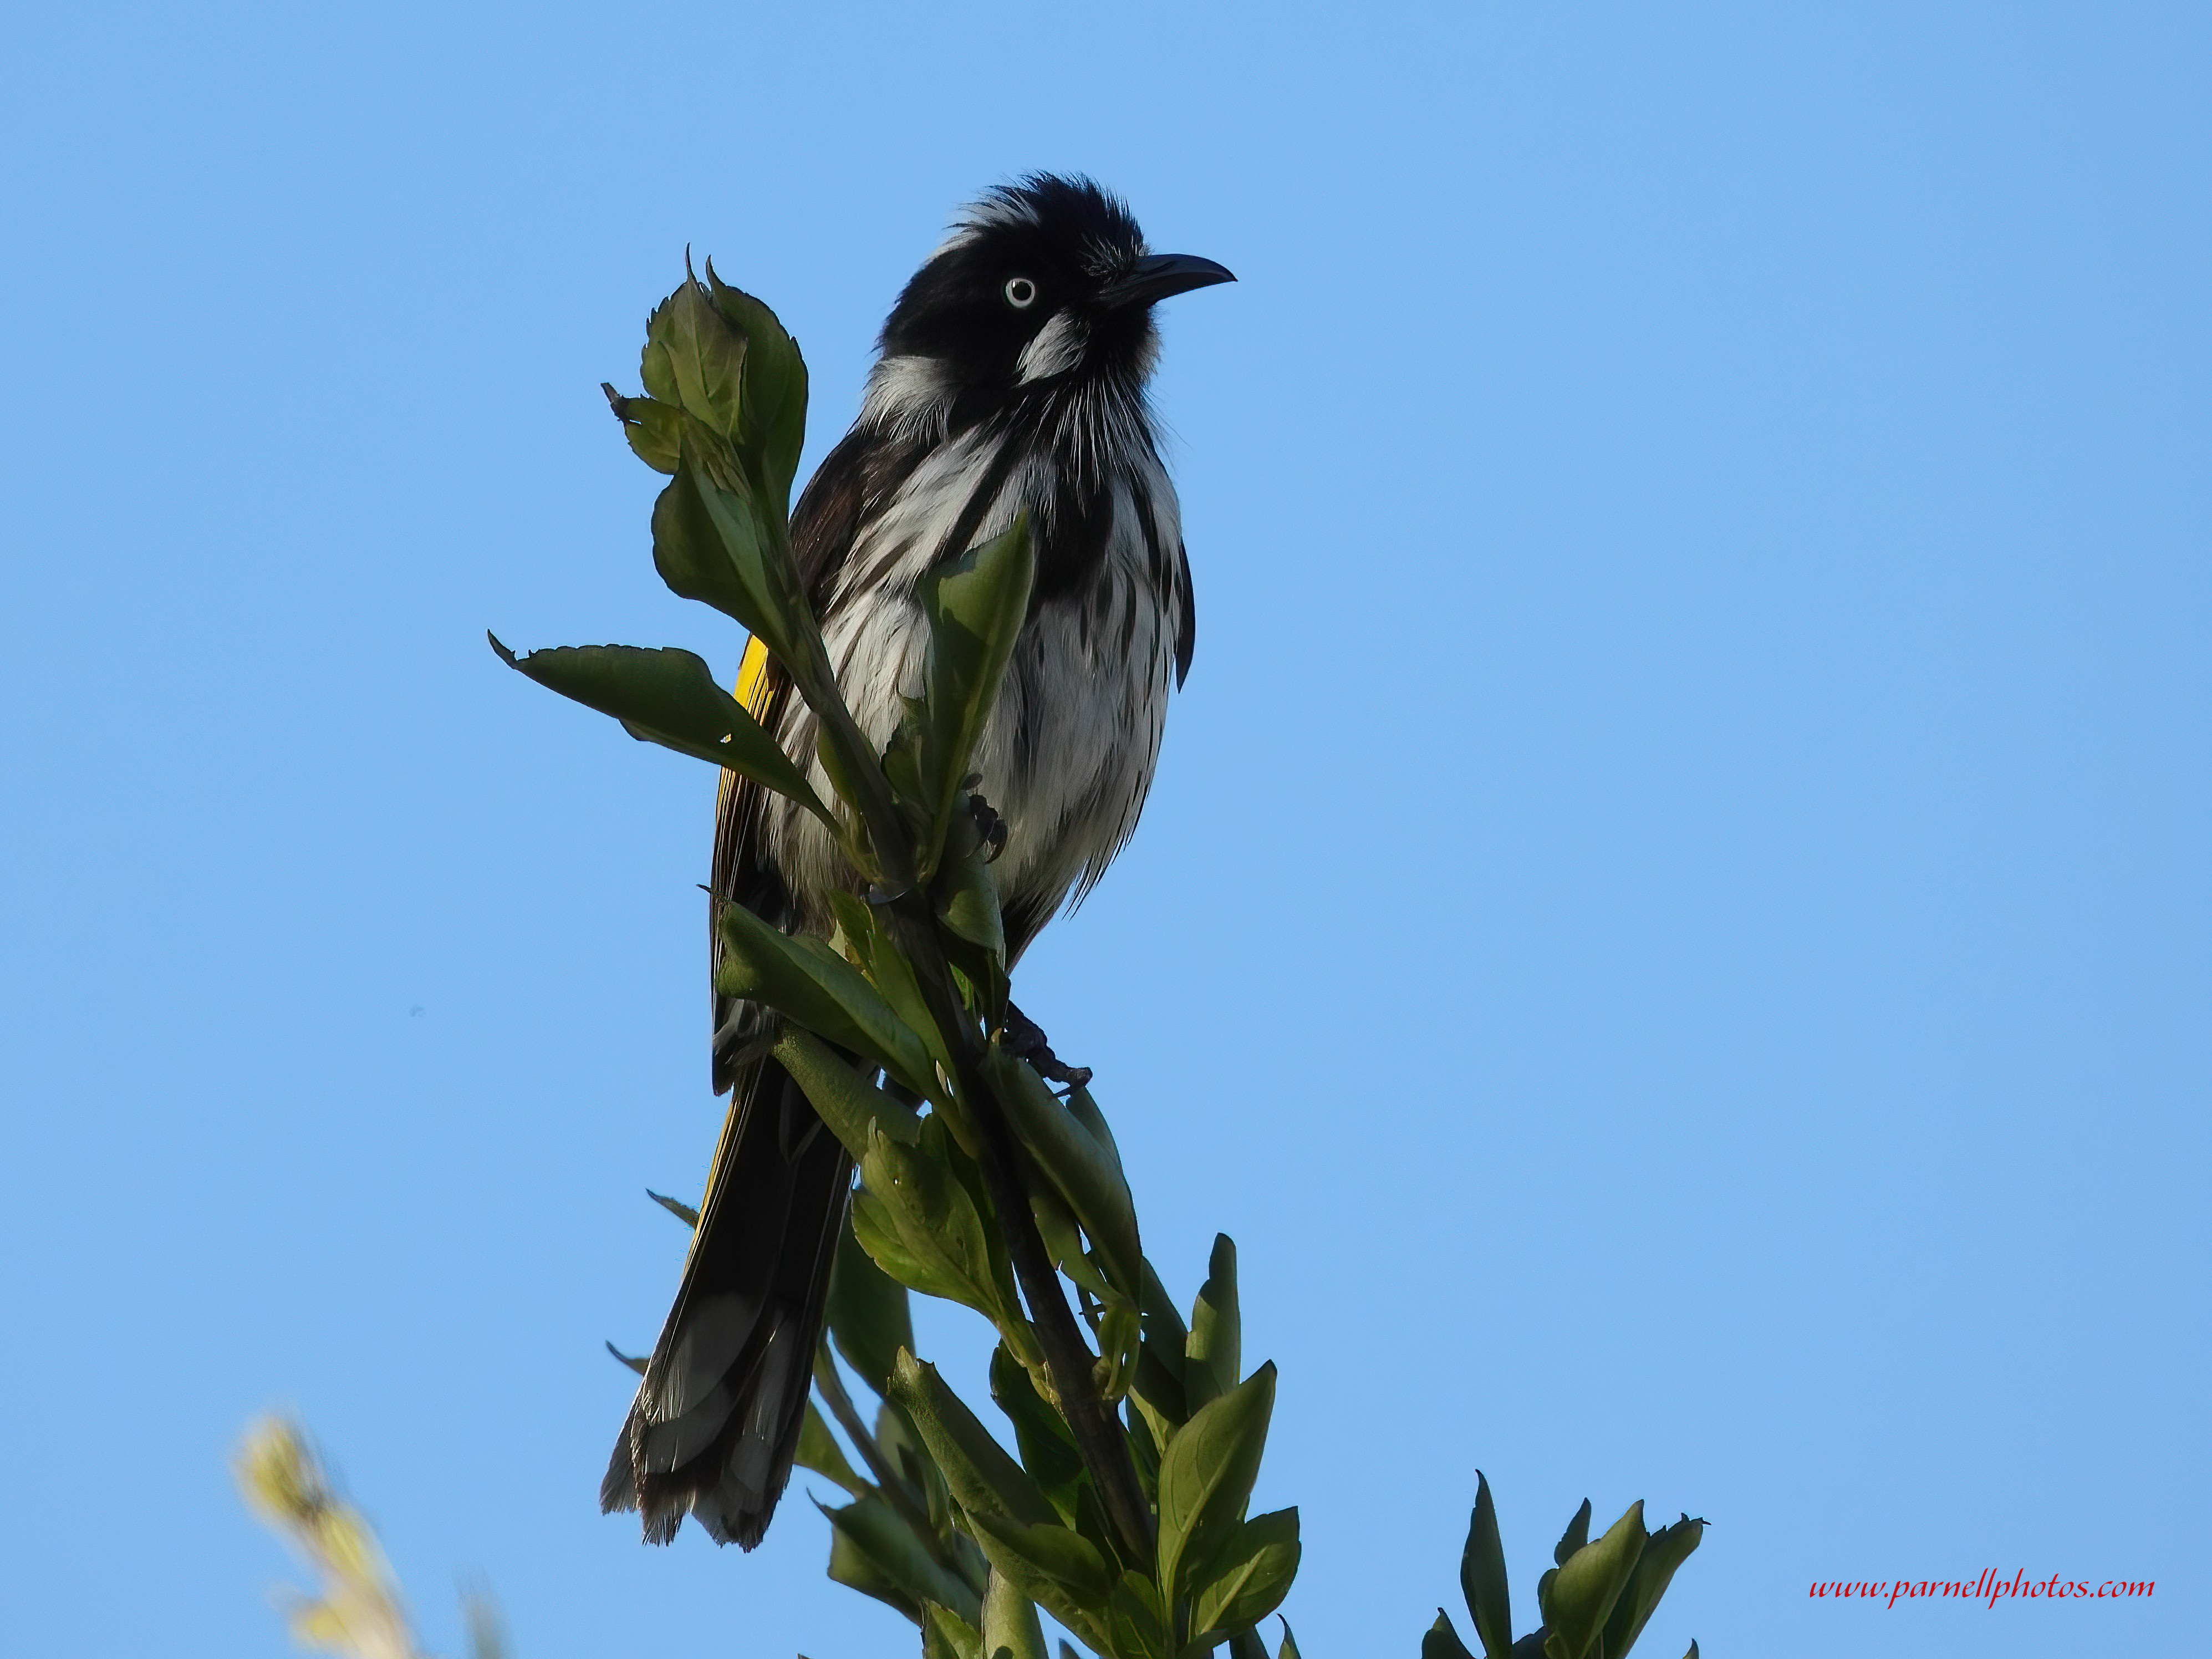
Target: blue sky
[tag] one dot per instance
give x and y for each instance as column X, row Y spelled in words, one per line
column 1672, row 924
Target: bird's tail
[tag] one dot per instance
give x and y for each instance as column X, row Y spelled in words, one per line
column 716, row 1420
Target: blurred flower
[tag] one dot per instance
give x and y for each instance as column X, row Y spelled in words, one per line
column 359, row 1612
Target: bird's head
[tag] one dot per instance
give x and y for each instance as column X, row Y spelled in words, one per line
column 1041, row 282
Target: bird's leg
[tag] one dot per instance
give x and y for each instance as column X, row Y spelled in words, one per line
column 1025, row 1040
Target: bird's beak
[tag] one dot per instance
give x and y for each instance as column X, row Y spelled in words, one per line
column 1154, row 278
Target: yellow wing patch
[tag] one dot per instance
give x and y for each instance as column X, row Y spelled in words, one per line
column 752, row 679
column 753, row 692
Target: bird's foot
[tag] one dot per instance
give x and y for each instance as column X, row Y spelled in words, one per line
column 990, row 828
column 1025, row 1040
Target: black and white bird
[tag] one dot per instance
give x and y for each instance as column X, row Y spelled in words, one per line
column 1011, row 377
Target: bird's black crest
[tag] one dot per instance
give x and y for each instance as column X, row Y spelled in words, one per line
column 1069, row 236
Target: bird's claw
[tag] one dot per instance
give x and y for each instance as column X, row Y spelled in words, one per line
column 1025, row 1040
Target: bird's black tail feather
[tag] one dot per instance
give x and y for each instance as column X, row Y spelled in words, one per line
column 716, row 1420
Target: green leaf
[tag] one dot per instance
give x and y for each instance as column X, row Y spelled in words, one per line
column 983, row 1480
column 775, row 402
column 946, row 1635
column 654, row 430
column 1159, row 1389
column 901, row 1448
column 1211, row 1364
column 1059, row 1569
column 965, row 892
column 1482, row 1576
column 916, row 1218
column 811, row 985
column 819, row 1451
column 669, row 698
column 1118, row 1342
column 867, row 933
column 876, row 1552
column 1251, row 1573
column 1084, row 1173
column 1290, row 1648
column 654, row 368
column 1574, row 1537
column 1136, row 1622
column 870, row 1318
column 1048, row 1448
column 844, row 1100
column 682, row 1212
column 1010, row 1630
column 1589, row 1581
column 1243, row 1644
column 1206, row 1476
column 1663, row 1551
column 636, row 1361
column 1063, row 1243
column 690, row 551
column 704, row 358
column 1441, row 1641
column 974, row 605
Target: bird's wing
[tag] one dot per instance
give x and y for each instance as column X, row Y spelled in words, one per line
column 850, row 479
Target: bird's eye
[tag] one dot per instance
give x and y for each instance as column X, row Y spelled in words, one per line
column 1020, row 292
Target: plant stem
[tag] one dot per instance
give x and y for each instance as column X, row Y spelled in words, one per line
column 1068, row 1360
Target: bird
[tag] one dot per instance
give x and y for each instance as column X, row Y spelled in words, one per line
column 1010, row 379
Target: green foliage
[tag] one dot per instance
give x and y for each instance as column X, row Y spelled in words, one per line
column 1594, row 1603
column 1138, row 1438
column 669, row 698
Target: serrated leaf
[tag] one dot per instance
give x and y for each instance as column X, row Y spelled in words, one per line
column 654, row 368
column 870, row 1317
column 1482, row 1576
column 1589, row 1581
column 705, row 357
column 1251, row 1573
column 669, row 698
column 819, row 1451
column 774, row 401
column 1212, row 1352
column 1206, row 1476
column 1663, row 1552
column 811, row 985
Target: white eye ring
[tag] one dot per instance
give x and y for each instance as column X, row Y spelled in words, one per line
column 1020, row 292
